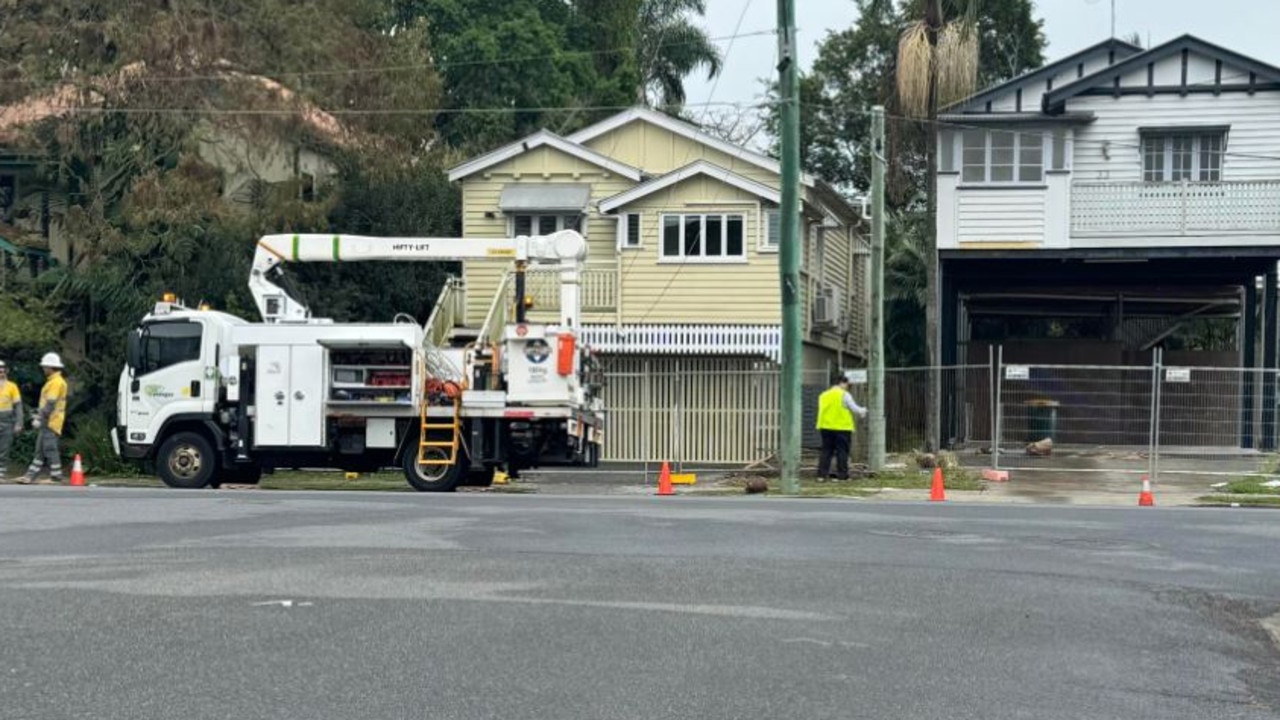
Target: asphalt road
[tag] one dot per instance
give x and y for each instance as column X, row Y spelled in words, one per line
column 164, row 604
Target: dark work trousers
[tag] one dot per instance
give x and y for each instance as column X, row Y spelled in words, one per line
column 47, row 452
column 6, row 441
column 835, row 443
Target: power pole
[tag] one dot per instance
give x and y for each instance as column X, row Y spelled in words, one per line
column 875, row 449
column 789, row 250
column 932, row 326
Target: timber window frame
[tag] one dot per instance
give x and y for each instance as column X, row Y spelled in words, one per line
column 544, row 223
column 1191, row 155
column 714, row 238
column 771, row 238
column 1004, row 157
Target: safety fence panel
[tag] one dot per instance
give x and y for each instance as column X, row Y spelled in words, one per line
column 1216, row 421
column 1075, row 417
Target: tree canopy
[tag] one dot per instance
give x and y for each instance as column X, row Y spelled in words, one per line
column 111, row 109
column 855, row 70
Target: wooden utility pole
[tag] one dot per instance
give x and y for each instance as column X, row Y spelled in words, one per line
column 933, row 335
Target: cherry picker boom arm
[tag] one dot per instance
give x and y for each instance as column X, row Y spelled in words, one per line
column 565, row 248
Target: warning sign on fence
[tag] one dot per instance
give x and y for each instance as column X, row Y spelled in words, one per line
column 1017, row 372
column 1178, row 375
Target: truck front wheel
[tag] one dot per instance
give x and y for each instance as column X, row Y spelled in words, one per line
column 432, row 478
column 186, row 461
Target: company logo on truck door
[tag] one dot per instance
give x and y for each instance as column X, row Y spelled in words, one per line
column 537, row 351
column 157, row 391
column 411, row 247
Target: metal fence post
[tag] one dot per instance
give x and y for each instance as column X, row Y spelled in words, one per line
column 647, row 413
column 1159, row 410
column 1153, row 450
column 996, row 417
column 678, row 450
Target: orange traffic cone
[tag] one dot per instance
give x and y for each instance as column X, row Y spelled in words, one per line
column 664, row 480
column 1145, row 498
column 77, row 473
column 938, row 492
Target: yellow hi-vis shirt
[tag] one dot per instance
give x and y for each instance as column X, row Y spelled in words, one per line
column 54, row 393
column 832, row 413
column 9, row 396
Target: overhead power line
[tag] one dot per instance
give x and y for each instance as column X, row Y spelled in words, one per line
column 444, row 64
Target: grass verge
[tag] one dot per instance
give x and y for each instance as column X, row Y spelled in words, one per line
column 1241, row 500
column 324, row 481
column 1252, row 485
column 294, row 480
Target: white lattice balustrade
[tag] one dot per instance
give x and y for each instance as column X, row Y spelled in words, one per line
column 1175, row 208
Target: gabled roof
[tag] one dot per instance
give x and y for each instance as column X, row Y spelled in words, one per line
column 1119, row 47
column 1054, row 100
column 540, row 139
column 684, row 129
column 700, row 167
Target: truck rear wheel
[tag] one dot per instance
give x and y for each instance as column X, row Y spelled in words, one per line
column 432, row 478
column 186, row 461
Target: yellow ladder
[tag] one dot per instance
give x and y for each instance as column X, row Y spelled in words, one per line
column 454, row 426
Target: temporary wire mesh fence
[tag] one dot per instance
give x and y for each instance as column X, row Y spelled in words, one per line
column 1074, row 417
column 1121, row 419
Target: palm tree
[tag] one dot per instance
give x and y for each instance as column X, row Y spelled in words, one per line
column 937, row 65
column 671, row 48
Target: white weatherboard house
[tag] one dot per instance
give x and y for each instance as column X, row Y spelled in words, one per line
column 1090, row 208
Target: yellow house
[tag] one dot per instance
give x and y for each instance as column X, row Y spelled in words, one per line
column 680, row 289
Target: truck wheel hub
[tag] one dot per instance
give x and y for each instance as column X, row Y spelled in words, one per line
column 185, row 461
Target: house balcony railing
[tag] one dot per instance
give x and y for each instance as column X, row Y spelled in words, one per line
column 597, row 287
column 1249, row 207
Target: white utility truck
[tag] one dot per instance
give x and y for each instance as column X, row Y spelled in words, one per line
column 208, row 398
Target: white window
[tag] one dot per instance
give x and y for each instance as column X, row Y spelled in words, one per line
column 630, row 230
column 772, row 228
column 946, row 154
column 706, row 237
column 1002, row 156
column 1058, row 139
column 544, row 224
column 1178, row 157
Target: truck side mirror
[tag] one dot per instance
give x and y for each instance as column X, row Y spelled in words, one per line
column 134, row 351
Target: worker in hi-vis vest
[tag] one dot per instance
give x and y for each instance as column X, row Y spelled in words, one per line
column 10, row 416
column 50, row 416
column 836, row 410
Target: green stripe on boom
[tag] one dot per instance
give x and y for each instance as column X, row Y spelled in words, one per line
column 336, row 244
column 296, row 241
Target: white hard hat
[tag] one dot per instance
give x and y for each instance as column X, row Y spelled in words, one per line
column 51, row 360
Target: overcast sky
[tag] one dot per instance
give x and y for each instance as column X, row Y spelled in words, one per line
column 1246, row 26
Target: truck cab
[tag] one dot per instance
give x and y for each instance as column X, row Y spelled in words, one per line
column 172, row 382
